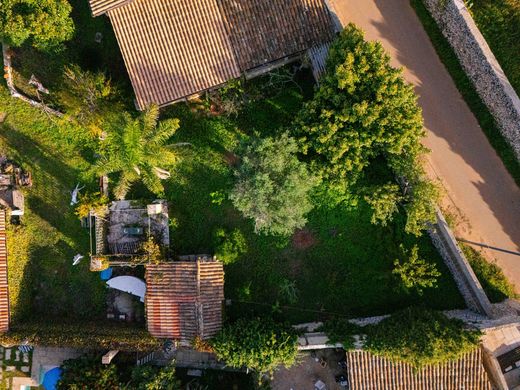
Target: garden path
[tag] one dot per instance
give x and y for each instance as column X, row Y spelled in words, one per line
column 479, row 189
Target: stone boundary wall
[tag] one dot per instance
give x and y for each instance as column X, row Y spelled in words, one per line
column 462, row 273
column 480, row 65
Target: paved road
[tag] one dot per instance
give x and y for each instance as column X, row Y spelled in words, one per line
column 476, row 182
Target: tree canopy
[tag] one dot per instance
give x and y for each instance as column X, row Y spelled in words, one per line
column 87, row 372
column 88, row 98
column 414, row 272
column 137, row 150
column 45, row 24
column 362, row 111
column 258, row 344
column 272, row 185
column 420, row 336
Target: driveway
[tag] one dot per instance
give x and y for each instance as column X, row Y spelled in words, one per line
column 478, row 187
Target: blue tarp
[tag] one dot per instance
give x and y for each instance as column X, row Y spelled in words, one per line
column 106, row 274
column 51, row 378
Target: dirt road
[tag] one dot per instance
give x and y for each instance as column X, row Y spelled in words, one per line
column 476, row 182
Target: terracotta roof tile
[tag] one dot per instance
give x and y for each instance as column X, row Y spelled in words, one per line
column 99, row 7
column 370, row 372
column 176, row 48
column 173, row 48
column 184, row 299
column 263, row 31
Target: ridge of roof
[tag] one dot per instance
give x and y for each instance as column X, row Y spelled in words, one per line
column 100, row 7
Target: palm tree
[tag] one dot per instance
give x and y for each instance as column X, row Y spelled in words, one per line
column 137, row 150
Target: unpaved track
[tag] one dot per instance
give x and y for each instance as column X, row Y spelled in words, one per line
column 476, row 181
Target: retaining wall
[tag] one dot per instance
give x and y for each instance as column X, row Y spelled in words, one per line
column 480, row 65
column 463, row 274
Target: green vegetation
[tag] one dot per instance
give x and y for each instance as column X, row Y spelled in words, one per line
column 137, row 149
column 153, row 378
column 229, row 246
column 84, row 335
column 258, row 344
column 338, row 263
column 498, row 20
column 87, row 372
column 42, row 281
column 362, row 111
column 272, row 185
column 420, row 337
column 340, row 330
column 490, row 276
column 466, row 88
column 414, row 272
column 45, row 24
column 88, row 98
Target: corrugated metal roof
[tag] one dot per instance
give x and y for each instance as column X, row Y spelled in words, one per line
column 370, row 372
column 184, row 299
column 4, row 288
column 99, row 7
column 173, row 48
column 263, row 31
column 176, row 48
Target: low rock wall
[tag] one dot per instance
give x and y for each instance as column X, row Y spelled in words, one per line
column 480, row 65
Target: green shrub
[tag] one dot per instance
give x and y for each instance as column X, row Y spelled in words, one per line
column 490, row 276
column 89, row 335
column 420, row 337
column 229, row 246
column 415, row 273
column 87, row 372
column 384, row 202
column 258, row 344
column 340, row 330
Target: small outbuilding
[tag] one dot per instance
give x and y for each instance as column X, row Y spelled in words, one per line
column 184, row 298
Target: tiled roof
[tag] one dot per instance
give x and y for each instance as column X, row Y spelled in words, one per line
column 263, row 31
column 4, row 290
column 370, row 372
column 176, row 48
column 100, row 7
column 184, row 299
column 173, row 48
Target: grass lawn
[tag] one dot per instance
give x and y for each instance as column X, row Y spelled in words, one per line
column 466, row 88
column 340, row 263
column 499, row 22
column 42, row 281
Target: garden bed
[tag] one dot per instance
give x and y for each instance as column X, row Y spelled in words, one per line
column 339, row 264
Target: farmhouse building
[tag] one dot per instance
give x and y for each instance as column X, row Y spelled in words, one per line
column 175, row 49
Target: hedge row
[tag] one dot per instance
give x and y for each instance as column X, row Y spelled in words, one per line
column 87, row 335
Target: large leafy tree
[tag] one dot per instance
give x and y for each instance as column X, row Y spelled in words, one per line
column 273, row 186
column 45, row 24
column 87, row 372
column 137, row 149
column 419, row 337
column 258, row 344
column 364, row 111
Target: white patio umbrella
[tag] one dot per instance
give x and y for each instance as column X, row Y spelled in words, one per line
column 129, row 284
